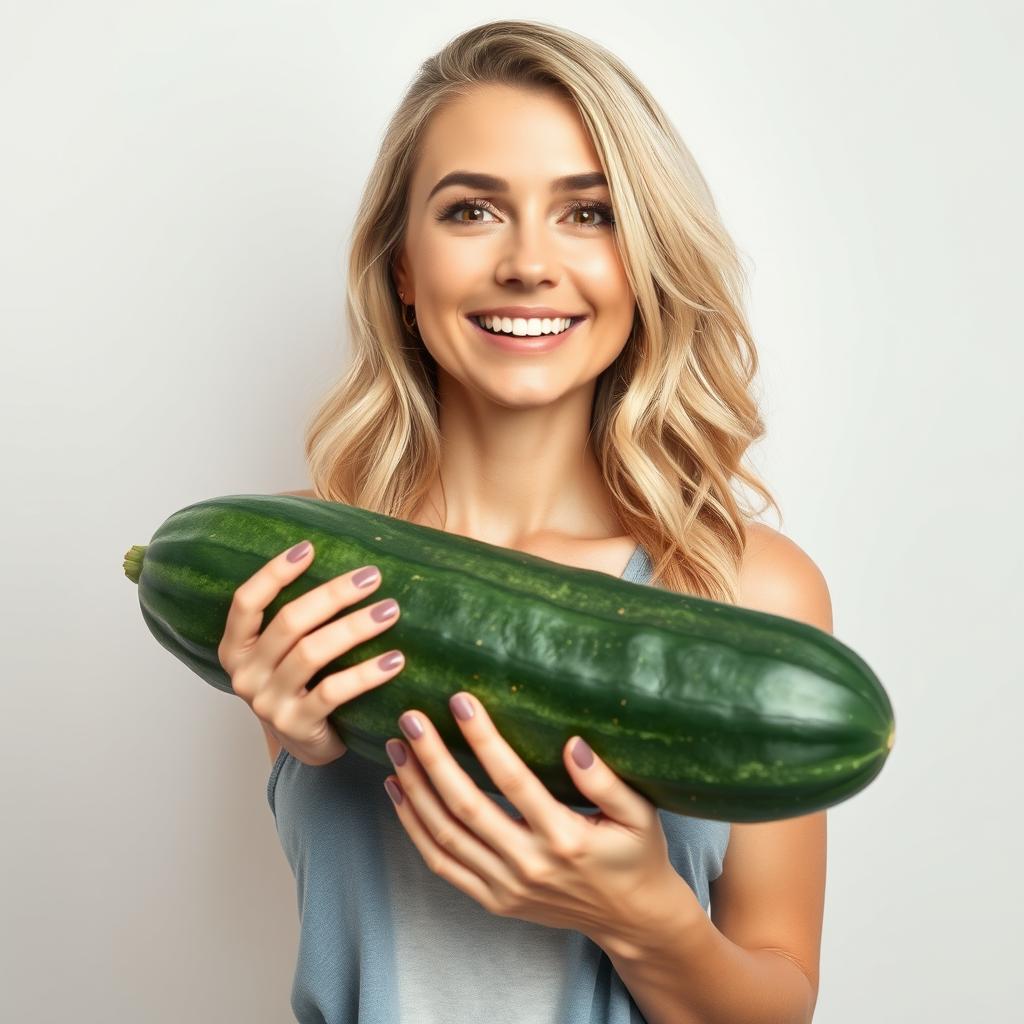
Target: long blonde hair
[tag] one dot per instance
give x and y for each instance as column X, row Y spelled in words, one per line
column 672, row 416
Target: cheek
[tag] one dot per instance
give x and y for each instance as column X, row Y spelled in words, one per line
column 608, row 290
column 447, row 269
column 602, row 265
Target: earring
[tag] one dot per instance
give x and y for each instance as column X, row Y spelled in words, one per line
column 410, row 327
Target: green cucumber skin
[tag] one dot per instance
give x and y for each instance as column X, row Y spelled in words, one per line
column 705, row 708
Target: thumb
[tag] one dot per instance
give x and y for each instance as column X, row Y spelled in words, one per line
column 599, row 784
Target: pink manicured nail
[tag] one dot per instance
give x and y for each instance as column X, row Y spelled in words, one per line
column 299, row 551
column 393, row 791
column 582, row 754
column 367, row 575
column 386, row 662
column 410, row 725
column 462, row 707
column 385, row 610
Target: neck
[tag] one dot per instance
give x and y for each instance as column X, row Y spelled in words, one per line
column 515, row 477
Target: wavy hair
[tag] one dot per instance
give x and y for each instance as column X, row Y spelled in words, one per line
column 672, row 417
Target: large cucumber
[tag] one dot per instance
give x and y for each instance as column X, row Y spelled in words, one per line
column 705, row 708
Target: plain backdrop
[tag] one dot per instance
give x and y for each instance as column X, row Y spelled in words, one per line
column 177, row 188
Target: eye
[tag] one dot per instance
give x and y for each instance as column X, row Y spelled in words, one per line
column 590, row 207
column 601, row 209
column 449, row 212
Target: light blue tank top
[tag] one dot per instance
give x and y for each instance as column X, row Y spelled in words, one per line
column 383, row 940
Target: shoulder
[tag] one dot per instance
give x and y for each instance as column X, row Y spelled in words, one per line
column 299, row 494
column 777, row 576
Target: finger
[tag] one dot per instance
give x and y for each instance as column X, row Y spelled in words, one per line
column 324, row 645
column 439, row 860
column 453, row 828
column 299, row 617
column 540, row 810
column 340, row 687
column 602, row 787
column 545, row 815
column 250, row 600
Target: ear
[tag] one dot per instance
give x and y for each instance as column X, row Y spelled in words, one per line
column 400, row 276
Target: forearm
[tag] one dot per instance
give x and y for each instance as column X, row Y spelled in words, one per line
column 683, row 970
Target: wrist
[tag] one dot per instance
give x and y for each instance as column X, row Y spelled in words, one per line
column 670, row 918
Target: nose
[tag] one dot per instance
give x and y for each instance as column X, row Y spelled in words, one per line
column 530, row 256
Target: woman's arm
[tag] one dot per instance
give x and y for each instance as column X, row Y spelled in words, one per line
column 689, row 972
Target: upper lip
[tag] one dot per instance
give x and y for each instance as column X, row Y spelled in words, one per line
column 543, row 312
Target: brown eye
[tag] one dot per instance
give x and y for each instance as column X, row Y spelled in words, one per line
column 590, row 209
column 451, row 213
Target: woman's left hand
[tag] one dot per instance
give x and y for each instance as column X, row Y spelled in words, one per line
column 598, row 874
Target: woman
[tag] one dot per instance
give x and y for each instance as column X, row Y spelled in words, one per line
column 529, row 185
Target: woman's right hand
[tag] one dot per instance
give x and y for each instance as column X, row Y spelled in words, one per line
column 270, row 670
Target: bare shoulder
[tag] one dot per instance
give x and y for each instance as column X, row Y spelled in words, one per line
column 300, row 494
column 777, row 576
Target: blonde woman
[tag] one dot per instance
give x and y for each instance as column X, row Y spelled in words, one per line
column 549, row 354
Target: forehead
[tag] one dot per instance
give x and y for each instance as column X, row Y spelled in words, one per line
column 528, row 136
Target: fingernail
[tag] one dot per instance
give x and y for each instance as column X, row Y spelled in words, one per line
column 390, row 660
column 393, row 791
column 582, row 754
column 410, row 725
column 385, row 610
column 366, row 576
column 396, row 752
column 461, row 707
column 299, row 551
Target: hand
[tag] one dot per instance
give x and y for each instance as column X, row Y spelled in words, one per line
column 269, row 671
column 600, row 874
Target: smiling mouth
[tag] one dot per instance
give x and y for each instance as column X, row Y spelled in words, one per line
column 543, row 327
column 527, row 343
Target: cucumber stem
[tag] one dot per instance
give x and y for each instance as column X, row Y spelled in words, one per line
column 133, row 562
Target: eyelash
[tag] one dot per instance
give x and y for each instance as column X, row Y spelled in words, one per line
column 482, row 204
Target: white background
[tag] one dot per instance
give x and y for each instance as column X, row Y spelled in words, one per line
column 177, row 186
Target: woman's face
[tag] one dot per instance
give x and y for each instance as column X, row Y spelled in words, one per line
column 526, row 247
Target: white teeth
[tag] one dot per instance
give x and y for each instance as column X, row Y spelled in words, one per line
column 524, row 327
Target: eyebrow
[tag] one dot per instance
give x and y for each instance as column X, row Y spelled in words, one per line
column 489, row 183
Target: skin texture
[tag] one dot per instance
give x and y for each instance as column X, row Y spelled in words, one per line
column 517, row 472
